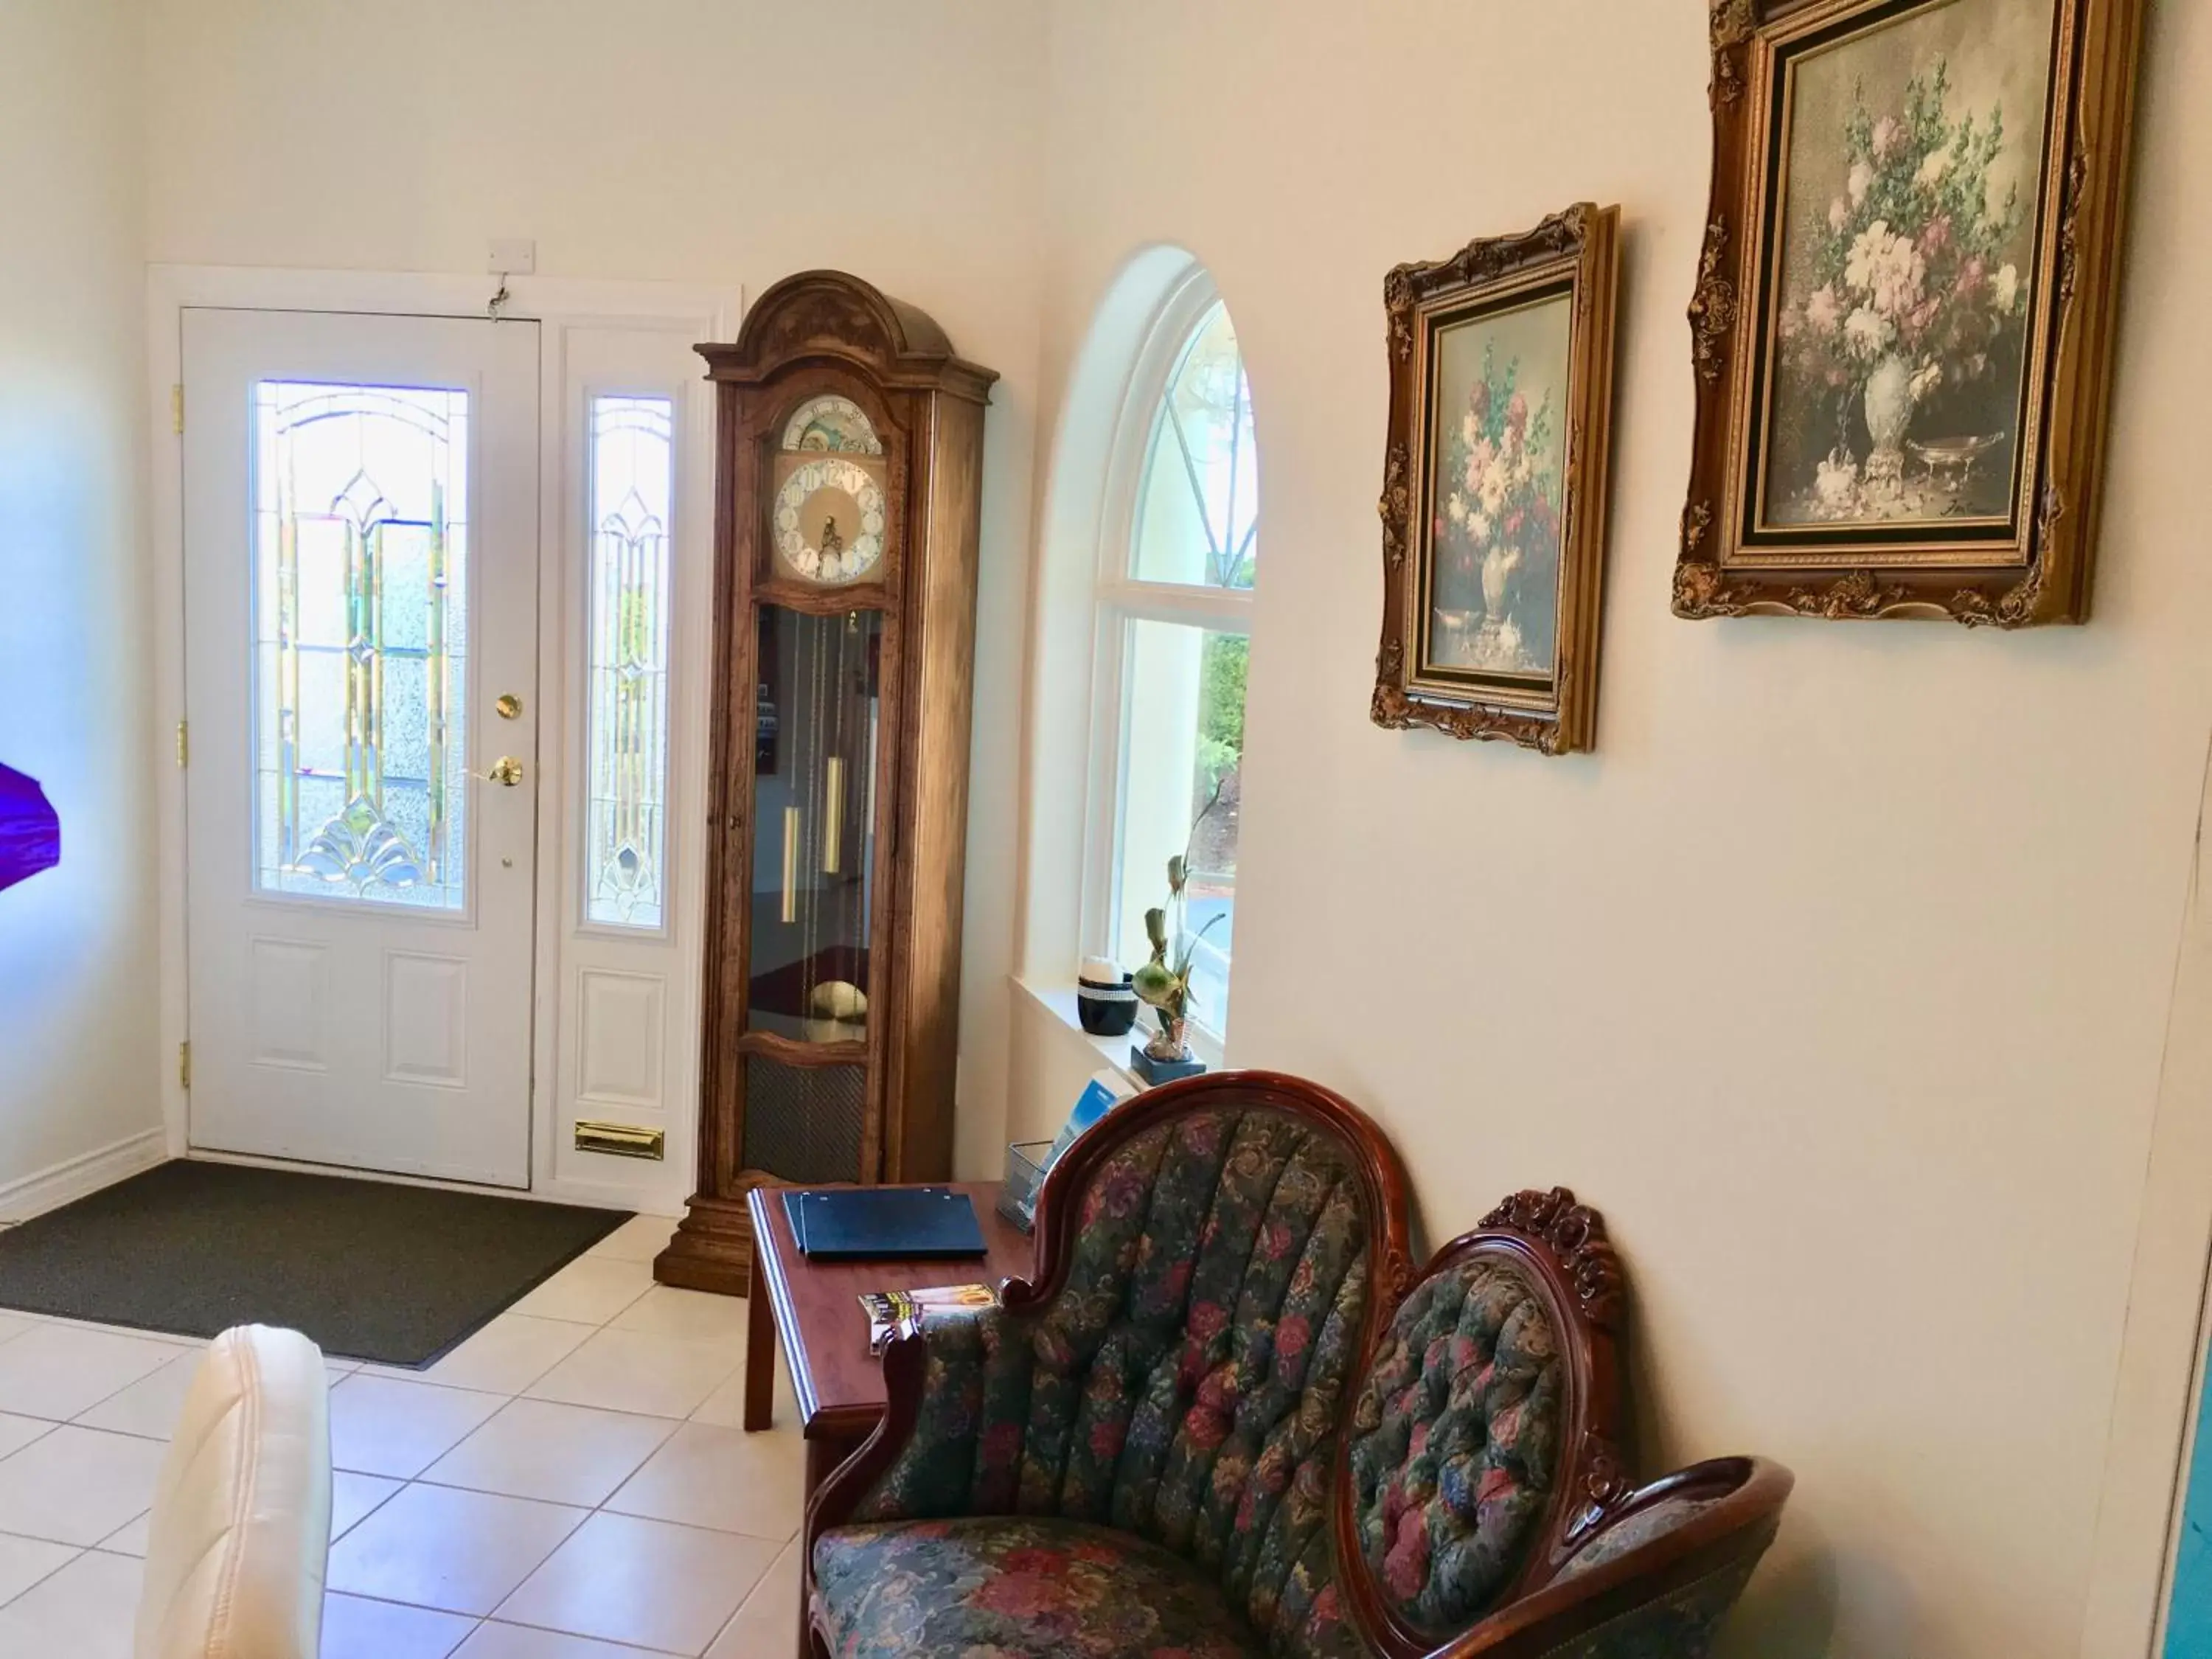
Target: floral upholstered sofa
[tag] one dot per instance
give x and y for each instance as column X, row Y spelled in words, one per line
column 1227, row 1419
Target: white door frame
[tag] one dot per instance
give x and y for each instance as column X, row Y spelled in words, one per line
column 2162, row 1344
column 561, row 306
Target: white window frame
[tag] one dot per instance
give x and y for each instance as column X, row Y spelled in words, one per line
column 1121, row 599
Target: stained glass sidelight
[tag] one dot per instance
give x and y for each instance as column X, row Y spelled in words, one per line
column 631, row 507
column 361, row 642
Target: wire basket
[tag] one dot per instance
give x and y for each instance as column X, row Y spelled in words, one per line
column 1026, row 1163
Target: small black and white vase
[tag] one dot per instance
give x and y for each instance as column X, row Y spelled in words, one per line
column 1103, row 1001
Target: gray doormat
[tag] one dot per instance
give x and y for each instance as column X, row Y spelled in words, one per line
column 368, row 1269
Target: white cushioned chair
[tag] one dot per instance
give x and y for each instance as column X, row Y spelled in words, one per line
column 241, row 1523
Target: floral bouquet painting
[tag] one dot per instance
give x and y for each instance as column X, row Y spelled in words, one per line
column 1902, row 316
column 1906, row 304
column 1494, row 605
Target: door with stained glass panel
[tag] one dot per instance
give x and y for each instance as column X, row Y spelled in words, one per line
column 360, row 532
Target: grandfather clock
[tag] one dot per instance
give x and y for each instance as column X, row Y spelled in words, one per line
column 849, row 461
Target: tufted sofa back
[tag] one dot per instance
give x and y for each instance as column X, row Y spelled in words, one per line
column 1455, row 1439
column 1484, row 1431
column 1189, row 1381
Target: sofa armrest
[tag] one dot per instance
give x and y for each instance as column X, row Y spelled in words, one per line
column 933, row 1456
column 241, row 1517
column 1656, row 1576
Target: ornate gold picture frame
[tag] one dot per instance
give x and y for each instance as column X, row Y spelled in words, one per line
column 1494, row 485
column 1906, row 301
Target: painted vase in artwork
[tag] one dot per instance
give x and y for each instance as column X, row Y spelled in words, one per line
column 1496, row 565
column 1890, row 400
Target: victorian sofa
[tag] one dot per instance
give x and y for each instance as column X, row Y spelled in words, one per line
column 1227, row 1419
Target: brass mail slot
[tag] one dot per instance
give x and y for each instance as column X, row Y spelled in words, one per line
column 620, row 1140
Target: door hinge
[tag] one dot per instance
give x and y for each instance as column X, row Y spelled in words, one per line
column 183, row 742
column 177, row 407
column 184, row 1064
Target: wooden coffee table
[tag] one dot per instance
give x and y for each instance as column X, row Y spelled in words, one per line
column 816, row 1312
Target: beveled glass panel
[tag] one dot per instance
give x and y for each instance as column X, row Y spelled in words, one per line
column 631, row 510
column 1198, row 507
column 814, row 811
column 360, row 596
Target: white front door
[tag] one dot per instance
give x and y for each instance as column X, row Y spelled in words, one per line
column 360, row 598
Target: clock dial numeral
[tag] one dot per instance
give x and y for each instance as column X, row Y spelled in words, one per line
column 831, row 520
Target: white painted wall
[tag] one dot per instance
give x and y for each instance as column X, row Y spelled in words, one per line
column 690, row 141
column 78, row 1071
column 1838, row 977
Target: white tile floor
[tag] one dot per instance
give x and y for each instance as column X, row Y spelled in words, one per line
column 570, row 1483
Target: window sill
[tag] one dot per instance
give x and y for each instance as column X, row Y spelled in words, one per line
column 1058, row 1002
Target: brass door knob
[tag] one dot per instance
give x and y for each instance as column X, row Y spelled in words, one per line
column 506, row 769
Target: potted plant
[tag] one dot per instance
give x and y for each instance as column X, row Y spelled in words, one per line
column 1163, row 981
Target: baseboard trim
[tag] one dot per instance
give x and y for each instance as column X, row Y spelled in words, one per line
column 80, row 1176
column 611, row 1195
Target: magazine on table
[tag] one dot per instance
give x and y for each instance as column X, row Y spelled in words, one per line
column 888, row 1310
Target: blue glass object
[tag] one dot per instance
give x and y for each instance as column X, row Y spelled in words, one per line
column 30, row 829
column 2189, row 1613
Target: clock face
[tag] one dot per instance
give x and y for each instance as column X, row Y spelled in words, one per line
column 830, row 520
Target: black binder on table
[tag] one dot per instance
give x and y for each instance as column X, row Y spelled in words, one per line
column 853, row 1224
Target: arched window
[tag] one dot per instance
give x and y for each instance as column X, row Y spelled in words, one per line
column 1198, row 515
column 1179, row 552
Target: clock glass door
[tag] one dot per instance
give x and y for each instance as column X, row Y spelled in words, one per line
column 814, row 846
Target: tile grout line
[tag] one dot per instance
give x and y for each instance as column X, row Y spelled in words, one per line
column 11, row 1600
column 416, row 1480
column 555, row 1629
column 679, row 1424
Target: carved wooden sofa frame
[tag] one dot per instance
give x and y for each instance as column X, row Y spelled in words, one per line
column 1612, row 1569
column 1615, row 1568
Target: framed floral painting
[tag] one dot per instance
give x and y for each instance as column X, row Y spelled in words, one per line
column 1906, row 298
column 1494, row 485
